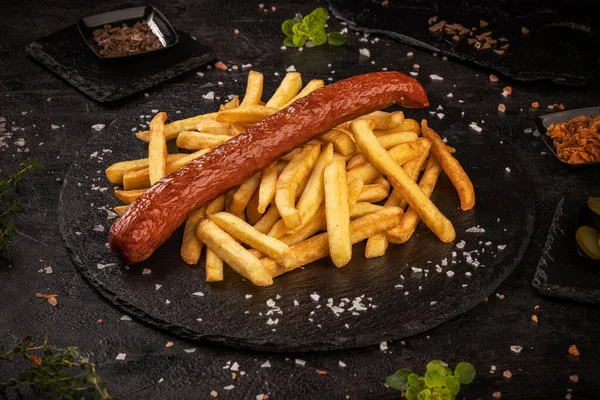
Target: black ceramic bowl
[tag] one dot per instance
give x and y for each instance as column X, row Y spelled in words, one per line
column 544, row 121
column 159, row 25
column 585, row 217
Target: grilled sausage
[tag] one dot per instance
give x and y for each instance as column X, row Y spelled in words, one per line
column 151, row 219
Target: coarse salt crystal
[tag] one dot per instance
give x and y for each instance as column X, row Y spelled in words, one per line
column 414, row 73
column 460, row 245
column 507, row 169
column 209, row 96
column 440, row 115
column 450, row 273
column 125, row 318
column 157, row 286
column 516, row 349
column 315, row 297
column 266, row 364
column 365, row 52
column 146, row 271
column 383, row 346
column 291, row 68
column 501, row 246
column 193, row 349
column 475, row 127
column 200, row 294
column 300, row 362
column 527, row 130
column 235, row 366
column 417, row 270
column 435, row 77
column 229, row 387
column 475, row 229
column 296, row 303
column 121, row 356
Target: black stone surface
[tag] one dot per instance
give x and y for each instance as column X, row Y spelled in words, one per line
column 562, row 271
column 223, row 313
column 482, row 335
column 560, row 46
column 66, row 53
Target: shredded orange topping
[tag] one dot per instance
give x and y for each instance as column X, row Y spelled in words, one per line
column 578, row 140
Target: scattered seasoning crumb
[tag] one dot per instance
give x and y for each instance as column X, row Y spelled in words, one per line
column 507, row 374
column 524, row 30
column 574, row 351
column 169, row 344
column 321, row 372
column 383, row 346
column 214, row 394
column 574, row 378
column 234, row 67
column 535, row 104
column 100, row 321
column 501, row 108
column 236, row 31
column 221, row 65
column 493, row 78
column 534, row 318
column 410, row 54
column 416, row 66
column 497, row 395
column 516, row 349
column 273, row 8
column 500, row 296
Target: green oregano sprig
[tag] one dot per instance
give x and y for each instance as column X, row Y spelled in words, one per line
column 63, row 373
column 300, row 30
column 438, row 383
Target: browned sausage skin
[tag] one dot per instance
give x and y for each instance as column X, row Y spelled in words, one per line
column 151, row 219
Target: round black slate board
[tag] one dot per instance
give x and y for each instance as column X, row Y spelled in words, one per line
column 395, row 300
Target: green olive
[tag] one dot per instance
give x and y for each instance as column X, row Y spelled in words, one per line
column 589, row 241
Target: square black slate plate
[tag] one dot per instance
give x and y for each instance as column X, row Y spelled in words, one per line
column 544, row 121
column 561, row 271
column 66, row 54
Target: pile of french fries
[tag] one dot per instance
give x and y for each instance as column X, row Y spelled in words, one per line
column 356, row 182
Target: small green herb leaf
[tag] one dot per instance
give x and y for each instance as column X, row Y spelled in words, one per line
column 447, row 394
column 399, row 381
column 434, row 365
column 300, row 40
column 424, row 395
column 319, row 17
column 412, row 393
column 414, row 379
column 289, row 42
column 452, row 384
column 319, row 38
column 434, row 377
column 336, row 39
column 287, row 26
column 464, row 372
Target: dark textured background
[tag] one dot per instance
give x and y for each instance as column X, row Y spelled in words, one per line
column 482, row 336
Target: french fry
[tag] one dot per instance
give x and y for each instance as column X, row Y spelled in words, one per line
column 157, row 148
column 230, row 105
column 233, row 253
column 245, row 233
column 214, row 267
column 409, row 125
column 278, row 230
column 342, row 143
column 373, row 193
column 290, row 156
column 376, row 245
column 128, row 196
column 141, row 179
column 317, row 246
column 249, row 114
column 192, row 140
column 254, row 89
column 210, row 125
column 309, row 88
column 252, row 214
column 215, row 206
column 120, row 210
column 173, row 129
column 393, row 139
column 367, row 173
column 408, row 224
column 382, row 181
column 290, row 180
column 451, row 167
column 115, row 172
column 244, row 193
column 191, row 247
column 266, row 191
column 355, row 187
column 407, row 188
column 361, row 208
column 288, row 88
column 338, row 213
column 313, row 194
column 315, row 224
column 356, row 160
column 384, row 120
column 401, row 153
column 268, row 219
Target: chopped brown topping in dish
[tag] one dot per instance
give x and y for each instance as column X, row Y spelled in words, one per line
column 578, row 140
column 122, row 41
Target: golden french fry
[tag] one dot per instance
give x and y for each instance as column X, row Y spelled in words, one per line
column 382, row 181
column 266, row 191
column 288, row 88
column 290, row 156
column 278, row 230
column 313, row 194
column 365, row 172
column 401, row 153
column 244, row 193
column 451, row 167
column 338, row 212
column 210, row 125
column 243, row 114
column 384, row 120
column 356, row 160
column 141, row 179
column 252, row 214
column 355, row 187
column 115, row 172
column 393, row 139
column 254, row 89
column 214, row 267
column 297, row 171
column 192, row 140
column 376, row 245
column 342, row 143
column 173, row 129
column 409, row 125
column 373, row 193
column 157, row 148
column 315, row 224
column 408, row 189
column 128, row 196
column 215, row 206
column 191, row 247
column 361, row 208
column 309, row 88
column 245, row 233
column 317, row 246
column 236, row 129
column 230, row 105
column 412, row 168
column 268, row 219
column 407, row 226
column 233, row 253
column 120, row 209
